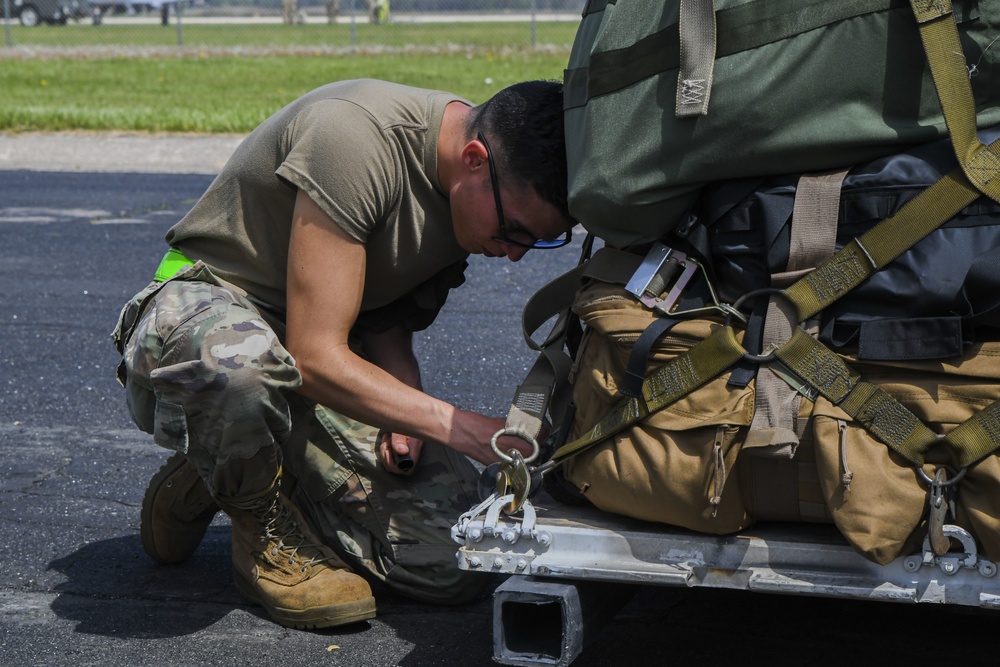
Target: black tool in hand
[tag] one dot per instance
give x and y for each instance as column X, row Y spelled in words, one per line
column 402, row 461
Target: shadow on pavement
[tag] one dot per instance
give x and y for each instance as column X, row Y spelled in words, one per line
column 151, row 600
column 440, row 634
column 113, row 589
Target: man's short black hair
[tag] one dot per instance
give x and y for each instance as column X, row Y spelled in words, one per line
column 524, row 124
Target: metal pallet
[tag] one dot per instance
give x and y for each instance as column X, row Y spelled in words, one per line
column 564, row 557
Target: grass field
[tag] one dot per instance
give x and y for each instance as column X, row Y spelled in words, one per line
column 363, row 35
column 132, row 84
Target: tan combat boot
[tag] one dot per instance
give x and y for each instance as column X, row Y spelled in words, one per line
column 278, row 565
column 176, row 511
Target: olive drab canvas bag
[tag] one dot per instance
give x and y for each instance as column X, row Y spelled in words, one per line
column 663, row 97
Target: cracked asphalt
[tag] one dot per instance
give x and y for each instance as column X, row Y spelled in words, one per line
column 82, row 219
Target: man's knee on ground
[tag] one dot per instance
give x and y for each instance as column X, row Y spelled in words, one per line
column 441, row 583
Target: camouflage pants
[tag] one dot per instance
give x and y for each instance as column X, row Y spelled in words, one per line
column 207, row 376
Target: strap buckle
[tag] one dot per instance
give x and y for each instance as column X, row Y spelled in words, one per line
column 658, row 272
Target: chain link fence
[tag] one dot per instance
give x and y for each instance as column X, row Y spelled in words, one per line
column 45, row 26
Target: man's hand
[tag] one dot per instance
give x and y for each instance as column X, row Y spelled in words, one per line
column 399, row 453
column 474, row 433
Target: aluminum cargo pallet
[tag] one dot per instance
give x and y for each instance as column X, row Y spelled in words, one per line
column 561, row 554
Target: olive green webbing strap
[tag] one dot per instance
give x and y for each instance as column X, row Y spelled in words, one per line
column 697, row 57
column 547, row 382
column 873, row 250
column 882, row 415
column 981, row 164
column 976, row 437
column 878, row 412
column 676, row 379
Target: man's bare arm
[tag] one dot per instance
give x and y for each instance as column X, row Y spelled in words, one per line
column 326, row 270
column 392, row 351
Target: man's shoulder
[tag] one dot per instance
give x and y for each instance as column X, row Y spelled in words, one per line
column 387, row 103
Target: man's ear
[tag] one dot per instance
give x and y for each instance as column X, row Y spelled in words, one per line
column 474, row 154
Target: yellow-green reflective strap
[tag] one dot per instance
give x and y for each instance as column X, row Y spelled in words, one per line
column 172, row 263
column 676, row 379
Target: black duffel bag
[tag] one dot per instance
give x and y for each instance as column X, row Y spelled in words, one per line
column 929, row 303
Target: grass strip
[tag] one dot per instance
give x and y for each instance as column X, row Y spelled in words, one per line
column 363, row 35
column 201, row 92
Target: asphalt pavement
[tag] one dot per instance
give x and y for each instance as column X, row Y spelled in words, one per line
column 82, row 218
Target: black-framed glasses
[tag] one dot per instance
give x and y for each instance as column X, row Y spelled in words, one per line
column 541, row 244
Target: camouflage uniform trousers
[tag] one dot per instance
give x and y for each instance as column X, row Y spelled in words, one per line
column 207, row 376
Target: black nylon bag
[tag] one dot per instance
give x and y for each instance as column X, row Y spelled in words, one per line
column 929, row 303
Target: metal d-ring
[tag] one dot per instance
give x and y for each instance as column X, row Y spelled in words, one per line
column 931, row 482
column 535, row 449
column 769, row 291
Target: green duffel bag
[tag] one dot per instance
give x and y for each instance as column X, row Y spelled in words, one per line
column 768, row 87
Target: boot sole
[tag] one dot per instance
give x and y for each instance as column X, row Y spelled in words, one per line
column 309, row 619
column 172, row 465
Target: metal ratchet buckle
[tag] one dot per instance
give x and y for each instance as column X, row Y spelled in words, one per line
column 658, row 264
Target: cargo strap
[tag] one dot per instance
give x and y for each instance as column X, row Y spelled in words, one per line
column 879, row 413
column 980, row 164
column 815, row 216
column 979, row 167
column 546, row 387
column 821, row 369
column 676, row 379
column 873, row 250
column 697, row 57
column 812, row 240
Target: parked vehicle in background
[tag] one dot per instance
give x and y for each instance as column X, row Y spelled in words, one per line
column 130, row 7
column 54, row 12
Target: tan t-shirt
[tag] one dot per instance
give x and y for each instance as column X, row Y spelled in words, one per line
column 366, row 152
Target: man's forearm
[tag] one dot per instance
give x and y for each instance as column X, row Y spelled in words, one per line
column 392, row 351
column 359, row 389
column 362, row 390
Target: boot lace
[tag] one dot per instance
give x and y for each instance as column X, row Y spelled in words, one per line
column 283, row 531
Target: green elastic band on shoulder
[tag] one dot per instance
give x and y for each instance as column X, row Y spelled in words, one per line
column 172, row 263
